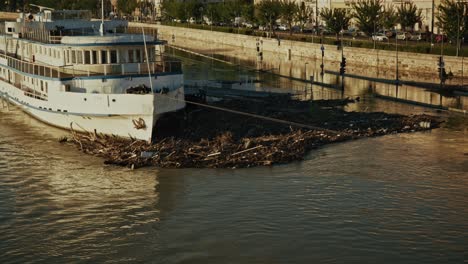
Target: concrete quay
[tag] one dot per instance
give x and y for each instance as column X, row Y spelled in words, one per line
column 301, row 59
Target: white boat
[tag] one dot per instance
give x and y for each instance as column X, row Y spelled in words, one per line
column 65, row 69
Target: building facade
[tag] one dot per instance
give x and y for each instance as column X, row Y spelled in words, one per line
column 428, row 7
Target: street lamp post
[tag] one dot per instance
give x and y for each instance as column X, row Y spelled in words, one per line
column 461, row 6
column 463, row 41
column 201, row 15
column 432, row 24
column 316, row 19
column 375, row 21
column 396, row 67
column 342, row 59
column 458, row 27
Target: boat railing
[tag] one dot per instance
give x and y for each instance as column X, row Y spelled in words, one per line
column 91, row 70
column 27, row 90
column 32, row 68
column 124, row 69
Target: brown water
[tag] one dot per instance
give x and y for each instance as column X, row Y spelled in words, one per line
column 392, row 199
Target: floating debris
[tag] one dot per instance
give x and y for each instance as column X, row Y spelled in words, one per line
column 208, row 138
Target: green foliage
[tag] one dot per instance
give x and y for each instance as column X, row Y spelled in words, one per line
column 304, row 14
column 268, row 11
column 452, row 17
column 172, row 9
column 389, row 17
column 367, row 13
column 288, row 13
column 126, row 6
column 248, row 11
column 215, row 12
column 335, row 19
column 408, row 15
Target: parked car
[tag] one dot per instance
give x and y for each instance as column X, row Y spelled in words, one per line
column 349, row 32
column 403, row 35
column 283, row 27
column 438, row 38
column 247, row 25
column 324, row 30
column 379, row 37
column 296, row 29
column 416, row 36
column 361, row 34
column 390, row 33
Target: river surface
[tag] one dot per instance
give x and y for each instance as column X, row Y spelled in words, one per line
column 392, row 199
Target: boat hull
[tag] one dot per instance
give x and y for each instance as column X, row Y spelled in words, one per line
column 137, row 123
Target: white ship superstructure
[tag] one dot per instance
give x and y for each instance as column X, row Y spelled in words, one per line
column 58, row 67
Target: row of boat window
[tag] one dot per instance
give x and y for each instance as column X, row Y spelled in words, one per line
column 43, row 85
column 104, row 56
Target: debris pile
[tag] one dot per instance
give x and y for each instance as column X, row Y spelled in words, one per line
column 201, row 137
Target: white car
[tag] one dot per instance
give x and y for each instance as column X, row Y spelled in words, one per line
column 401, row 36
column 416, row 36
column 379, row 37
column 283, row 27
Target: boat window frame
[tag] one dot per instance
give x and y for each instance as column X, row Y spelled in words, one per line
column 103, row 56
column 87, row 57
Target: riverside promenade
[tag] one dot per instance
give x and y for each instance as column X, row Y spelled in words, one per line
column 298, row 59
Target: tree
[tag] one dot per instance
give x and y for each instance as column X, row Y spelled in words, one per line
column 453, row 19
column 268, row 11
column 367, row 13
column 409, row 14
column 335, row 19
column 192, row 9
column 248, row 12
column 389, row 17
column 126, row 6
column 288, row 13
column 213, row 12
column 304, row 14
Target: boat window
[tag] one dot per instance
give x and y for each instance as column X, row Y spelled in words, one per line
column 122, row 56
column 103, row 57
column 94, row 57
column 73, row 56
column 87, row 57
column 79, row 57
column 130, row 56
column 138, row 55
column 113, row 56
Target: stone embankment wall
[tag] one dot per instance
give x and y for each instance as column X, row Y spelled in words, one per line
column 286, row 50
